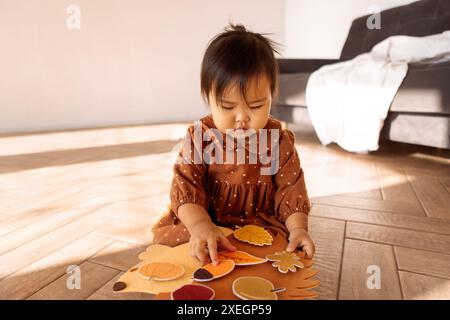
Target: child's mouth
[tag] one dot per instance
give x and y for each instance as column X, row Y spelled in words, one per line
column 243, row 132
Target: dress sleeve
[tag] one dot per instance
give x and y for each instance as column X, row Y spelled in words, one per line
column 188, row 183
column 291, row 195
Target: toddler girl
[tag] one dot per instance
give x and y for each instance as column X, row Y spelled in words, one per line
column 239, row 77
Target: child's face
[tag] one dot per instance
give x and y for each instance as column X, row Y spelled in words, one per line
column 234, row 113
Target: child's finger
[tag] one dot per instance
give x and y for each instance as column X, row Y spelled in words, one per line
column 292, row 245
column 226, row 244
column 201, row 252
column 212, row 248
column 309, row 249
column 193, row 253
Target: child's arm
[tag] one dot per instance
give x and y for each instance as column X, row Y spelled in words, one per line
column 192, row 214
column 297, row 225
column 292, row 204
column 188, row 201
column 204, row 233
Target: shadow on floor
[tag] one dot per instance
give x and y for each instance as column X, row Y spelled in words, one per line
column 30, row 161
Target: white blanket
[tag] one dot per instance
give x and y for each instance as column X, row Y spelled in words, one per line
column 348, row 101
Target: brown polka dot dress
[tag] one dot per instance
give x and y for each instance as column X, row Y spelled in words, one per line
column 235, row 192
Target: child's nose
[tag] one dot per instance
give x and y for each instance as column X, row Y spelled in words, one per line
column 242, row 118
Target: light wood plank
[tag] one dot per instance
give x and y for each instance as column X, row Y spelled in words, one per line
column 34, row 230
column 106, row 292
column 395, row 185
column 131, row 212
column 425, row 262
column 328, row 237
column 139, row 233
column 445, row 182
column 93, row 277
column 436, row 171
column 358, row 257
column 120, row 255
column 371, row 204
column 39, row 274
column 30, row 252
column 382, row 218
column 53, row 197
column 339, row 166
column 399, row 237
column 364, row 176
column 433, row 196
column 6, row 202
column 419, row 287
column 79, row 199
column 433, row 166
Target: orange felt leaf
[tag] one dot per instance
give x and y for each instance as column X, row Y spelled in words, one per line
column 161, row 271
column 254, row 235
column 210, row 271
column 240, row 258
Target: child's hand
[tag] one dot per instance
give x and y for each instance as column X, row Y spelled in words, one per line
column 299, row 237
column 203, row 241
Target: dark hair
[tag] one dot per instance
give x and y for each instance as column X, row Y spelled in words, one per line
column 236, row 56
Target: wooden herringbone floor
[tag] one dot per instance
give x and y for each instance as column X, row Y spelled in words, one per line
column 90, row 197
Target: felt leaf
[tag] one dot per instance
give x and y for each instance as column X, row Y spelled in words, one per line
column 285, row 261
column 210, row 272
column 161, row 271
column 193, row 292
column 254, row 288
column 254, row 235
column 159, row 253
column 240, row 258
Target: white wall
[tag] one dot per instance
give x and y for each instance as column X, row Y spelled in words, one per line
column 319, row 28
column 132, row 61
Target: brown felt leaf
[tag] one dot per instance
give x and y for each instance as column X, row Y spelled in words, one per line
column 285, row 261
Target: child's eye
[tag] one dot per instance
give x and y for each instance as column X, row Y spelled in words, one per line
column 227, row 108
column 256, row 107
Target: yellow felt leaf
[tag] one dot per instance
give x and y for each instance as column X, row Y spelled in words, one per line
column 240, row 258
column 285, row 261
column 254, row 288
column 254, row 235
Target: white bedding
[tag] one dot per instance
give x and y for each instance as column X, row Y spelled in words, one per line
column 348, row 101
